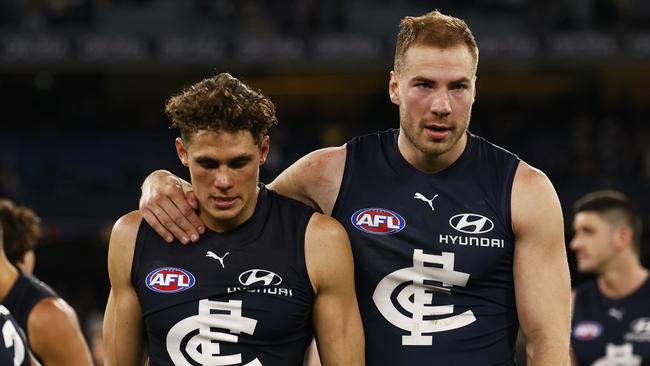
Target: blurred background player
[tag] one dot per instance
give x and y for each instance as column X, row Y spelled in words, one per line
column 50, row 324
column 14, row 349
column 611, row 314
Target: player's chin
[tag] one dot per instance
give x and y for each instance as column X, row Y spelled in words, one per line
column 436, row 147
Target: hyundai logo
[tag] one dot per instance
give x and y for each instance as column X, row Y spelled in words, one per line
column 259, row 276
column 471, row 223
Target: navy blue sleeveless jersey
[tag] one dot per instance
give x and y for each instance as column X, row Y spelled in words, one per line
column 611, row 332
column 237, row 298
column 433, row 253
column 25, row 293
column 13, row 344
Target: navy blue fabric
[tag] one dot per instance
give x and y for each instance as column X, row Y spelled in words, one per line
column 26, row 292
column 433, row 253
column 611, row 332
column 251, row 305
column 13, row 344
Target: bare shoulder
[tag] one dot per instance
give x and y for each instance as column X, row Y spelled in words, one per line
column 125, row 231
column 322, row 160
column 534, row 199
column 52, row 313
column 122, row 246
column 127, row 224
column 327, row 250
column 327, row 231
column 314, row 179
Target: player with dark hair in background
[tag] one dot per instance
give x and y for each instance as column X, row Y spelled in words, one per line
column 611, row 314
column 51, row 325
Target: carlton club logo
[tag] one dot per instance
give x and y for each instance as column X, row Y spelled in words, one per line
column 405, row 298
column 198, row 339
column 169, row 280
column 378, row 221
column 471, row 223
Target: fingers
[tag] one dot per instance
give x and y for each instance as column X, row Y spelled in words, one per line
column 170, row 217
column 193, row 218
column 183, row 221
column 152, row 220
column 167, row 210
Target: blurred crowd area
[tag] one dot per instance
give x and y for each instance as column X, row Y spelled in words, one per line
column 309, row 16
column 78, row 135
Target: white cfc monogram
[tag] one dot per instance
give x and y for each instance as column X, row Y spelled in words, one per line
column 222, row 315
column 619, row 356
column 12, row 339
column 417, row 298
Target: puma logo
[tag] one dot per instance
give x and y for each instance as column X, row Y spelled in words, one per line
column 220, row 259
column 421, row 197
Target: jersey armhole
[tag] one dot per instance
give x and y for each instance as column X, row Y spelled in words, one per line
column 507, row 194
column 137, row 251
column 345, row 180
column 302, row 254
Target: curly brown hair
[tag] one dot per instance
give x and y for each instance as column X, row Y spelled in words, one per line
column 20, row 228
column 221, row 102
column 433, row 29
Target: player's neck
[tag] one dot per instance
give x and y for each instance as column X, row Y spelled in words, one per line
column 8, row 275
column 224, row 225
column 623, row 278
column 429, row 162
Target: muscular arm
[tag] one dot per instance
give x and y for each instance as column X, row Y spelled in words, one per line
column 541, row 272
column 314, row 179
column 339, row 333
column 123, row 330
column 168, row 204
column 55, row 335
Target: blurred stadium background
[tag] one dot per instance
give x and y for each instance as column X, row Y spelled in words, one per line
column 562, row 83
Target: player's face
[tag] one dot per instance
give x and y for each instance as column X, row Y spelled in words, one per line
column 434, row 91
column 224, row 168
column 593, row 242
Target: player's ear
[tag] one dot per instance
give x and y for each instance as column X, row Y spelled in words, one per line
column 393, row 88
column 474, row 95
column 265, row 146
column 181, row 150
column 624, row 236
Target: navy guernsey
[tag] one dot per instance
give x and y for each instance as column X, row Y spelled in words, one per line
column 611, row 332
column 433, row 253
column 13, row 349
column 239, row 298
column 23, row 296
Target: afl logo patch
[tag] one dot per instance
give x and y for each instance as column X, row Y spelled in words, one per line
column 378, row 221
column 471, row 223
column 587, row 330
column 259, row 276
column 169, row 280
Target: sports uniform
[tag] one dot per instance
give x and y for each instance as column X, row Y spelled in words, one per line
column 433, row 253
column 611, row 332
column 26, row 293
column 13, row 344
column 241, row 297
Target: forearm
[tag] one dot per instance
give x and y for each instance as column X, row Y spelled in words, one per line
column 550, row 349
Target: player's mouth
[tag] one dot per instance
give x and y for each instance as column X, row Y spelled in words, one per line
column 222, row 202
column 437, row 132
